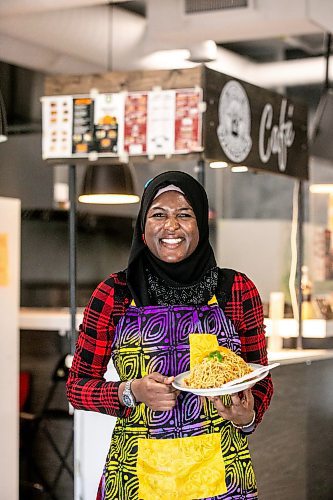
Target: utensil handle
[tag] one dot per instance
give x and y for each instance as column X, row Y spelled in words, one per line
column 253, row 374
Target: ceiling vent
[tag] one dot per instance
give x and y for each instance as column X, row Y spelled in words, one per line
column 196, row 6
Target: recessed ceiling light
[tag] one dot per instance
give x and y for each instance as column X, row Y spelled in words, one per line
column 240, row 168
column 218, row 164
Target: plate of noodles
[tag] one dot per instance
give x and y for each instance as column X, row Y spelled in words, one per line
column 221, row 372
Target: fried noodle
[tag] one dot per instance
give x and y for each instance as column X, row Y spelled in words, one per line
column 215, row 371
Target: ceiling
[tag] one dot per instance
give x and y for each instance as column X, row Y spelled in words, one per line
column 269, row 43
column 277, row 45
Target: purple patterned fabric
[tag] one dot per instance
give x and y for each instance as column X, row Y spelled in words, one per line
column 156, row 338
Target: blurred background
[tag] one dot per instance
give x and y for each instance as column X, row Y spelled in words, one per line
column 280, row 46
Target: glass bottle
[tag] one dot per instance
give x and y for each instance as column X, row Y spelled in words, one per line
column 308, row 310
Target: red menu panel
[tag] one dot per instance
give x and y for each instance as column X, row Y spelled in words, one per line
column 135, row 126
column 188, row 121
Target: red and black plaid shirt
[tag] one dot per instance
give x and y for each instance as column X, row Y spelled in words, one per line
column 86, row 386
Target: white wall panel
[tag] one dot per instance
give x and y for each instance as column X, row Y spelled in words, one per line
column 10, row 217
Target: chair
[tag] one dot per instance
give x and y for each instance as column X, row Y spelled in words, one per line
column 25, row 389
column 38, row 428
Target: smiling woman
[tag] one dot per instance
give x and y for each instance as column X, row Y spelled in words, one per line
column 166, row 443
column 171, row 230
column 174, row 206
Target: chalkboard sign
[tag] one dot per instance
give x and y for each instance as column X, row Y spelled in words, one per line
column 247, row 125
column 148, row 113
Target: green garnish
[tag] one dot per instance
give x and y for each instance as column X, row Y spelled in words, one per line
column 216, row 355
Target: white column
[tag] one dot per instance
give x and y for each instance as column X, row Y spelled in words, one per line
column 10, row 230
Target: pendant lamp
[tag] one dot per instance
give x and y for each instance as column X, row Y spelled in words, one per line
column 108, row 184
column 3, row 121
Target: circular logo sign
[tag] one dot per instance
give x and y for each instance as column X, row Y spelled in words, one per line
column 234, row 122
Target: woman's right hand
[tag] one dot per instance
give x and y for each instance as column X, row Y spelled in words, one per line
column 155, row 391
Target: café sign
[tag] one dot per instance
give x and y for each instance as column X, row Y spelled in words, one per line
column 248, row 125
column 281, row 136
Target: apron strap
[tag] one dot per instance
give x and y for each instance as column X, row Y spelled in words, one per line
column 121, row 299
column 226, row 278
column 213, row 301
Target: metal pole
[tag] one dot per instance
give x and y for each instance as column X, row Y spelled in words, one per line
column 300, row 201
column 200, row 170
column 327, row 60
column 72, row 254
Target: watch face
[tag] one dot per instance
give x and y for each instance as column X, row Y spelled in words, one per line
column 128, row 400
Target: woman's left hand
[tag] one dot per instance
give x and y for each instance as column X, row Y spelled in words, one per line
column 240, row 411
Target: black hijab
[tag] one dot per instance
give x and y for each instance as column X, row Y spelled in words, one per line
column 189, row 270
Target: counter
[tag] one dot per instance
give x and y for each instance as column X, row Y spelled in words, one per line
column 292, row 447
column 288, row 328
column 58, row 319
column 294, row 356
column 48, row 319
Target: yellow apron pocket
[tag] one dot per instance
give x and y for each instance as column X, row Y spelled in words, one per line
column 181, row 468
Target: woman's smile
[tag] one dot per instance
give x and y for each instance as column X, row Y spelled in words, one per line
column 171, row 242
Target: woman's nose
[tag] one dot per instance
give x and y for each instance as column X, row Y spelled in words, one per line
column 171, row 223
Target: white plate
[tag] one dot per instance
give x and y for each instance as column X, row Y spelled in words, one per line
column 178, row 383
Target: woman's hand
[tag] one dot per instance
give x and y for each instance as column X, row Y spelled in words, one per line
column 240, row 412
column 155, row 391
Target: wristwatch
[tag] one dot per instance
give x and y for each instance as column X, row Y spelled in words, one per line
column 128, row 396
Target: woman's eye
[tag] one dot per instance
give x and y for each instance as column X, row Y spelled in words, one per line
column 158, row 214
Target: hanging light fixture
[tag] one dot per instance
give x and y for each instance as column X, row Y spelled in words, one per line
column 3, row 121
column 108, row 184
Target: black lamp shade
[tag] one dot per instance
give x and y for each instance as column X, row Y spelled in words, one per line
column 3, row 121
column 105, row 183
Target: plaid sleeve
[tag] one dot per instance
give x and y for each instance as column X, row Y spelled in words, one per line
column 86, row 387
column 245, row 311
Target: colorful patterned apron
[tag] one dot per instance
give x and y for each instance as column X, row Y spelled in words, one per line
column 186, row 453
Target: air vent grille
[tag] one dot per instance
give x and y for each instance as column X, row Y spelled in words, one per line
column 194, row 6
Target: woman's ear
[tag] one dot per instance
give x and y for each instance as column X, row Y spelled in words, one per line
column 143, row 238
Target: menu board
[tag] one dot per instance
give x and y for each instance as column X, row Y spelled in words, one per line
column 158, row 122
column 57, row 116
column 108, row 123
column 188, row 121
column 83, row 113
column 135, row 134
column 161, row 122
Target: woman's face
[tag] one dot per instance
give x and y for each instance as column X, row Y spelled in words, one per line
column 171, row 230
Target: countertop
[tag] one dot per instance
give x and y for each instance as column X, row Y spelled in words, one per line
column 48, row 319
column 288, row 327
column 59, row 320
column 292, row 356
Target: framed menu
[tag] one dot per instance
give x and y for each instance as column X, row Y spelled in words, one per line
column 188, row 121
column 157, row 122
column 109, row 123
column 57, row 116
column 83, row 116
column 161, row 122
column 135, row 123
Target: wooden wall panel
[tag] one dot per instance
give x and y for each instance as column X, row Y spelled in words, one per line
column 117, row 81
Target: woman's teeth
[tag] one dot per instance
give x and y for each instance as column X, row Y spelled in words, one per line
column 171, row 241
